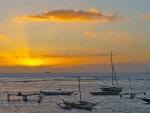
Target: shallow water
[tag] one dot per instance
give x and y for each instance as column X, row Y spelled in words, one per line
column 31, row 83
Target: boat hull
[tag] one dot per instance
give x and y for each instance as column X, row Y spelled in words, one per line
column 56, row 93
column 78, row 105
column 146, row 100
column 111, row 89
column 106, row 93
column 85, row 102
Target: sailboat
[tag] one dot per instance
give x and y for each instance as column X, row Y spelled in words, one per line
column 79, row 104
column 146, row 72
column 132, row 94
column 110, row 90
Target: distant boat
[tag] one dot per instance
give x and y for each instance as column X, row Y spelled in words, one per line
column 110, row 90
column 146, row 72
column 56, row 93
column 47, row 72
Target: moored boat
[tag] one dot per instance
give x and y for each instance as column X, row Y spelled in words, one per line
column 86, row 102
column 131, row 94
column 110, row 90
column 78, row 105
column 146, row 100
column 106, row 93
column 57, row 93
column 107, row 88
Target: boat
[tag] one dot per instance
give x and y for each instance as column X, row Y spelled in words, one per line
column 146, row 72
column 64, row 106
column 132, row 94
column 79, row 104
column 25, row 96
column 47, row 72
column 146, row 100
column 85, row 102
column 57, row 93
column 106, row 93
column 110, row 90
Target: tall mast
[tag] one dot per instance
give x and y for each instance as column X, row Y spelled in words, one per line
column 112, row 69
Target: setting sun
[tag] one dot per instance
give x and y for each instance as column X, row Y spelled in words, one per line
column 65, row 36
column 32, row 62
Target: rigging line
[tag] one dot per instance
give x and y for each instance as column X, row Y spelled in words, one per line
column 79, row 88
column 130, row 85
column 115, row 76
column 113, row 71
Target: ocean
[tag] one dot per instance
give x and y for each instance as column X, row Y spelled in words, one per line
column 26, row 83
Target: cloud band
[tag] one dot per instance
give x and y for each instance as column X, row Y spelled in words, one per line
column 72, row 15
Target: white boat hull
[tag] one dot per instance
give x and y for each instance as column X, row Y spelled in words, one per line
column 78, row 105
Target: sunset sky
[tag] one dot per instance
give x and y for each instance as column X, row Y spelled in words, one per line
column 74, row 36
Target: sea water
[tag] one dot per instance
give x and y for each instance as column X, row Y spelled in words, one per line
column 26, row 83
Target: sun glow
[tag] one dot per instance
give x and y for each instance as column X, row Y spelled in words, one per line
column 32, row 62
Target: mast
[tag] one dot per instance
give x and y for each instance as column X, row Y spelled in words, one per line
column 79, row 88
column 113, row 72
column 112, row 69
column 146, row 72
column 130, row 85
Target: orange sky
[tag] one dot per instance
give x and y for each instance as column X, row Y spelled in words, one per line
column 74, row 34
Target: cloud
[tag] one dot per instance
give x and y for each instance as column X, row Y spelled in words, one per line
column 71, row 15
column 144, row 15
column 143, row 36
column 60, row 56
column 122, row 37
column 2, row 36
column 127, row 41
column 90, row 33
